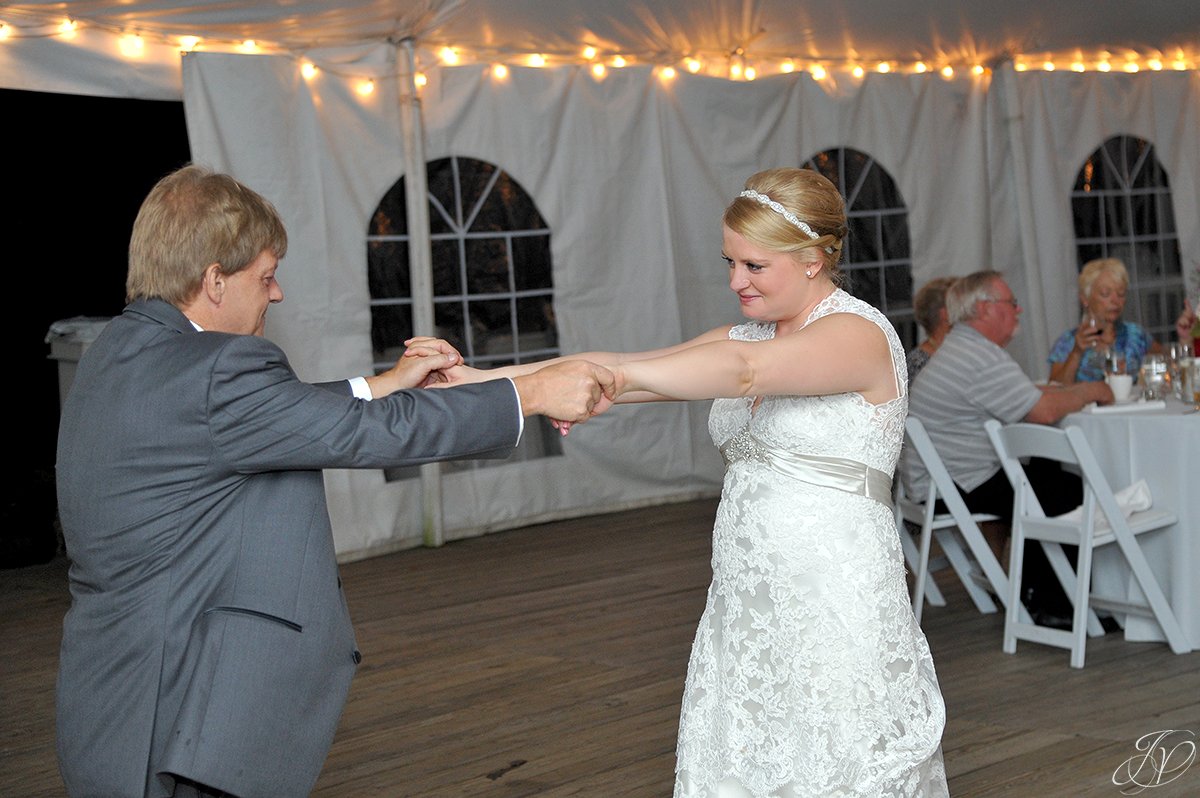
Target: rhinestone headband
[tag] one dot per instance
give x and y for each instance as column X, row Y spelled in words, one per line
column 782, row 211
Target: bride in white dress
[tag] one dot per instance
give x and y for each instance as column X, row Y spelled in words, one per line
column 808, row 675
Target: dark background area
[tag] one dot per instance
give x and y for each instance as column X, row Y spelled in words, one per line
column 77, row 169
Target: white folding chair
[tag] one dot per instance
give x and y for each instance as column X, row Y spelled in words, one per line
column 1102, row 523
column 957, row 531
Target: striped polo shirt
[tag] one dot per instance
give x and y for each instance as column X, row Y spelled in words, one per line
column 968, row 380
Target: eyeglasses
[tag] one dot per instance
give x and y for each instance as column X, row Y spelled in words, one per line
column 1011, row 300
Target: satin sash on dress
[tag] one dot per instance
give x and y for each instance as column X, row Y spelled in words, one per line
column 840, row 473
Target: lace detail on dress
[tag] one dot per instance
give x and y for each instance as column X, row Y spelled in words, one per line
column 808, row 675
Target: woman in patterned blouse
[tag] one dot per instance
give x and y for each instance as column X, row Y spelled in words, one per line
column 1079, row 354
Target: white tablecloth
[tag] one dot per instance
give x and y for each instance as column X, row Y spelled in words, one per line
column 1161, row 446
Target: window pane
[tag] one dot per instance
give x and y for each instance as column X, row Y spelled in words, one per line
column 491, row 327
column 391, row 326
column 507, row 207
column 439, row 175
column 387, row 269
column 474, row 176
column 1145, row 212
column 535, row 314
column 447, row 268
column 1171, row 265
column 448, row 318
column 864, row 237
column 868, row 285
column 1153, row 314
column 1116, row 216
column 1089, row 252
column 895, row 236
column 531, row 262
column 1087, row 213
column 898, row 288
column 1166, row 212
column 390, row 217
column 1084, row 181
column 487, row 266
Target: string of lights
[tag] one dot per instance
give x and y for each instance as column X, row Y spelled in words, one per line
column 739, row 65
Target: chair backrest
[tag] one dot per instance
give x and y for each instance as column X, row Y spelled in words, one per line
column 940, row 481
column 1068, row 446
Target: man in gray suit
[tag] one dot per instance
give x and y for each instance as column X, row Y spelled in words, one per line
column 208, row 649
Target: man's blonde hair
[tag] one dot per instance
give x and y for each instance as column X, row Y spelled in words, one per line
column 192, row 218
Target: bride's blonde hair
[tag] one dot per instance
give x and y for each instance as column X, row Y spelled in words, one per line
column 809, row 197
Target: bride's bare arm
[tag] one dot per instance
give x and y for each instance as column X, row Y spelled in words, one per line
column 460, row 375
column 839, row 353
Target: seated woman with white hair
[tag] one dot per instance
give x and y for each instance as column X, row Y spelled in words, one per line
column 1079, row 354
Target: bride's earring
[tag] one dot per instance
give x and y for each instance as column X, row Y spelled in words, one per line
column 808, row 272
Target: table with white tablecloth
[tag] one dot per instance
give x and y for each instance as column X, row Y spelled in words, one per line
column 1162, row 446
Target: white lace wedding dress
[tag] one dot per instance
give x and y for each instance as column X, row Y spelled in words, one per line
column 809, row 675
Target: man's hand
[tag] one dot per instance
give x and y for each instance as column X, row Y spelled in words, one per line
column 420, row 366
column 572, row 391
column 1098, row 392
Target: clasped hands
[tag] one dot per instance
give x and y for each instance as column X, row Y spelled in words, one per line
column 568, row 392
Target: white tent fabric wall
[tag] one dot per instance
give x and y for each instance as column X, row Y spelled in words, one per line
column 631, row 176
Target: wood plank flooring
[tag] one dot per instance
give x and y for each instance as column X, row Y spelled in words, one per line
column 549, row 661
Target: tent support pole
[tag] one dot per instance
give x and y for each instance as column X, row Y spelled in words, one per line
column 1024, row 198
column 420, row 260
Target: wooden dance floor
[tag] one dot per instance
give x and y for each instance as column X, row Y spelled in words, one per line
column 549, row 661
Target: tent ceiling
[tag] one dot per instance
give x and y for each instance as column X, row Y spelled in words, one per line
column 662, row 31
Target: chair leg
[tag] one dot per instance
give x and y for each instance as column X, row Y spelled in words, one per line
column 922, row 572
column 961, row 562
column 1066, row 578
column 1012, row 611
column 1083, row 587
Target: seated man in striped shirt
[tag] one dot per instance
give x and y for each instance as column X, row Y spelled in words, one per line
column 970, row 379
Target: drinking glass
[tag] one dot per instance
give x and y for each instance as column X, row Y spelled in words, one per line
column 1153, row 376
column 1192, row 383
column 1114, row 362
column 1179, row 355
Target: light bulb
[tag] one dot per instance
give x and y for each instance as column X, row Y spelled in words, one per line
column 448, row 55
column 189, row 43
column 308, row 70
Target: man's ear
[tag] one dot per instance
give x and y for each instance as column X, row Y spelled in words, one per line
column 213, row 284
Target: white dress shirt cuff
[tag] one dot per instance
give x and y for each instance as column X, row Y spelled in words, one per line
column 360, row 388
column 520, row 411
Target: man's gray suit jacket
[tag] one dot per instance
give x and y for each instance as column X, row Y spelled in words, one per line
column 208, row 637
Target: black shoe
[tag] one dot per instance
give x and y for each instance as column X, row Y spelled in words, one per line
column 1052, row 619
column 1046, row 613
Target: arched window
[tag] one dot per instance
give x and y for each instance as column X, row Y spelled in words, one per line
column 876, row 255
column 493, row 292
column 1122, row 208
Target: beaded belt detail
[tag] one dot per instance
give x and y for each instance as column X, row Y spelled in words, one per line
column 840, row 473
